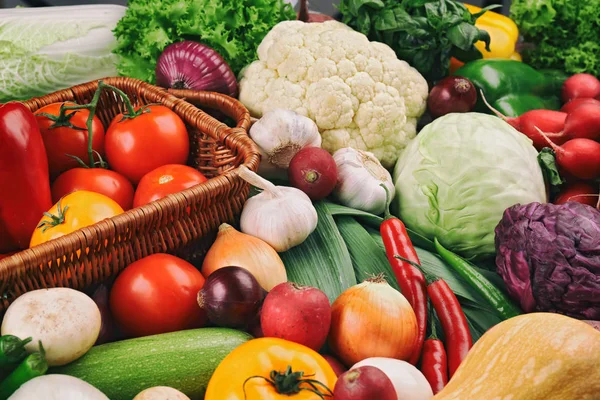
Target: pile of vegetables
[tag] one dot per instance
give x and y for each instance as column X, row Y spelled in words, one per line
column 482, row 283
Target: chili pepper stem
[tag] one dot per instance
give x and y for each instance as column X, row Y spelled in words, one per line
column 388, row 201
column 428, row 277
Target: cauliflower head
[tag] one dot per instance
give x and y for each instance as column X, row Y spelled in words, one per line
column 358, row 92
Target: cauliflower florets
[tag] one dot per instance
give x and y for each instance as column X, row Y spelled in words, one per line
column 357, row 91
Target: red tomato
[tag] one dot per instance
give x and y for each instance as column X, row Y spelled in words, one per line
column 136, row 146
column 99, row 180
column 165, row 180
column 62, row 140
column 157, row 294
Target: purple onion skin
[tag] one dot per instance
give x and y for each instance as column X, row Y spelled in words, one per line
column 231, row 297
column 192, row 65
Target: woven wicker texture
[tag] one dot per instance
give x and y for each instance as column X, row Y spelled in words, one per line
column 99, row 252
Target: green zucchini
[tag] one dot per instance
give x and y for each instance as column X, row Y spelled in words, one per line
column 183, row 360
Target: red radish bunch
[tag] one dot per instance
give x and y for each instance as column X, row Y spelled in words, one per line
column 580, row 86
column 573, row 104
column 581, row 192
column 314, row 171
column 579, row 158
column 364, row 383
column 300, row 314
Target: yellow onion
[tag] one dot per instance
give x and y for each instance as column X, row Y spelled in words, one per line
column 233, row 248
column 372, row 319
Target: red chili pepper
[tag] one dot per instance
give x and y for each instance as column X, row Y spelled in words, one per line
column 24, row 178
column 409, row 278
column 434, row 362
column 454, row 323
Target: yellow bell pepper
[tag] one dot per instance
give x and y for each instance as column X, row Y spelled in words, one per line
column 504, row 34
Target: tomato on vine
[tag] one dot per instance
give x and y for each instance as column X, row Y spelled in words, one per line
column 142, row 140
column 66, row 138
column 74, row 211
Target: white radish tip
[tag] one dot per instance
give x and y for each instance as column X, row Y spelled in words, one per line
column 492, row 109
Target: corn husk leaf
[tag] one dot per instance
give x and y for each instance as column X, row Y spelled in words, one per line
column 323, row 260
column 374, row 221
column 368, row 258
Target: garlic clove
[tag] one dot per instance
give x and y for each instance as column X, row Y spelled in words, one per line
column 360, row 175
column 281, row 216
column 280, row 134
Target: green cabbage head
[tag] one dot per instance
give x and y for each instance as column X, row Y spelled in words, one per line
column 456, row 178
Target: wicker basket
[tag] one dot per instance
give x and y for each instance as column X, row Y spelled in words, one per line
column 162, row 226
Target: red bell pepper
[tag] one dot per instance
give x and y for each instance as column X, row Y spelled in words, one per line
column 24, row 178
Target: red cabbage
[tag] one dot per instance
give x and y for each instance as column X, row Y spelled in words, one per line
column 549, row 257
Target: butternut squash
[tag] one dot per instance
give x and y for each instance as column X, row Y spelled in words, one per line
column 538, row 356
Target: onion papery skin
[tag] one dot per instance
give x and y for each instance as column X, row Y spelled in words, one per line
column 372, row 319
column 192, row 65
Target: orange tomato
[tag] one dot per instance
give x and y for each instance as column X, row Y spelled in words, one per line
column 252, row 365
column 74, row 211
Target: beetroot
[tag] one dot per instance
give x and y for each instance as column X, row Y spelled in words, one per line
column 300, row 314
column 335, row 364
column 364, row 383
column 313, row 170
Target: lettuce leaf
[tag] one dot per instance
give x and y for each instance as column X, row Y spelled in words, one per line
column 563, row 33
column 234, row 28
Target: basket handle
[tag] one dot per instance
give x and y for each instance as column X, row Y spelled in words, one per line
column 218, row 101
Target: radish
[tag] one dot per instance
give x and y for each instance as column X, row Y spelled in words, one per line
column 573, row 104
column 550, row 122
column 580, row 85
column 579, row 158
column 581, row 192
column 583, row 122
column 364, row 383
column 313, row 170
column 300, row 314
column 336, row 365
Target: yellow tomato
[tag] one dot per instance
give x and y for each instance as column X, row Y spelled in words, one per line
column 259, row 364
column 74, row 211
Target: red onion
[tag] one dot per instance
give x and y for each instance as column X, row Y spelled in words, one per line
column 452, row 94
column 191, row 65
column 364, row 383
column 231, row 297
column 107, row 328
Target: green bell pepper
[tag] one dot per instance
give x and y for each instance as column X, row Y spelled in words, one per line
column 513, row 87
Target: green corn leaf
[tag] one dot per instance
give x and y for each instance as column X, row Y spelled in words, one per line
column 368, row 258
column 323, row 260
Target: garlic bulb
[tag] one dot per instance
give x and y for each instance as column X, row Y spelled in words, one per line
column 280, row 134
column 360, row 175
column 281, row 216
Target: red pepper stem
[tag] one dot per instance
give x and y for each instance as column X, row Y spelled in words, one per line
column 388, row 200
column 428, row 277
column 92, row 106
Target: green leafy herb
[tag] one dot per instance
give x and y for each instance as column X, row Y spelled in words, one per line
column 560, row 34
column 234, row 28
column 547, row 160
column 425, row 33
